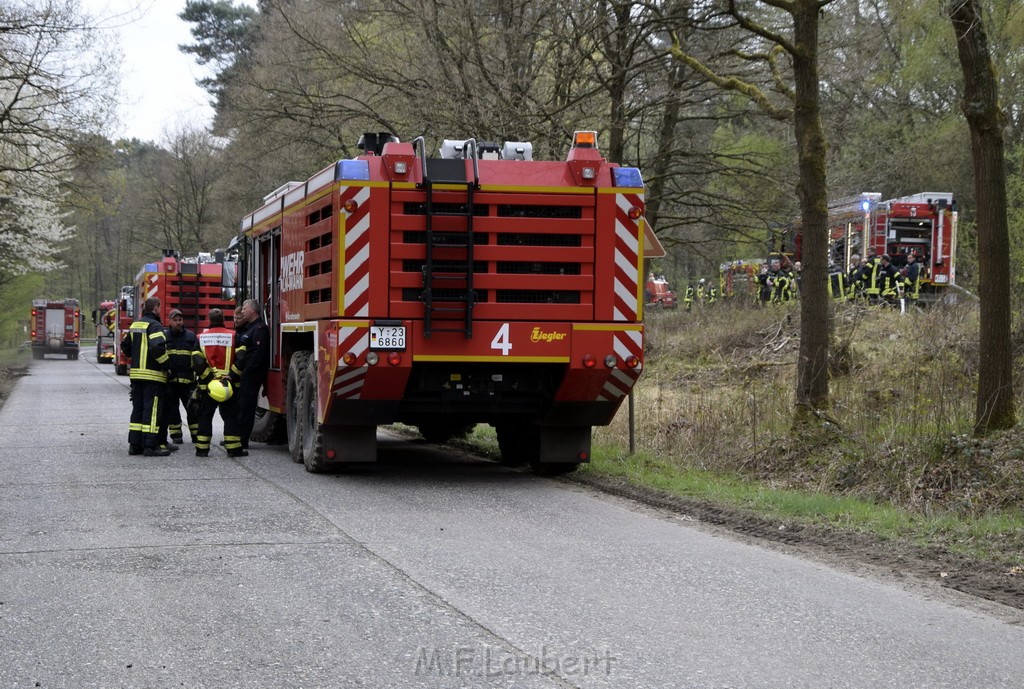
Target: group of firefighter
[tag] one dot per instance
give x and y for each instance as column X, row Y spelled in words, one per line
column 703, row 294
column 876, row 280
column 171, row 366
column 873, row 279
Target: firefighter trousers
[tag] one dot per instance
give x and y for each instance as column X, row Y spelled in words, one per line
column 178, row 394
column 144, row 428
column 228, row 413
column 248, row 399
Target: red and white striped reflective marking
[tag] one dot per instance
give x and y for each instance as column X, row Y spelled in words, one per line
column 151, row 285
column 348, row 380
column 627, row 343
column 627, row 247
column 357, row 253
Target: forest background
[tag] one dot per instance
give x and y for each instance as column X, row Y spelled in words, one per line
column 296, row 83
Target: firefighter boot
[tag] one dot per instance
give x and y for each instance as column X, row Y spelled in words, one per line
column 156, row 452
column 202, row 453
column 237, row 452
column 135, row 449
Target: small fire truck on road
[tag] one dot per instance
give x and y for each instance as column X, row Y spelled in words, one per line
column 191, row 285
column 56, row 327
column 480, row 286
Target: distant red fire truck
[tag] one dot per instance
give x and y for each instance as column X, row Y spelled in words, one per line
column 480, row 286
column 922, row 224
column 191, row 285
column 56, row 327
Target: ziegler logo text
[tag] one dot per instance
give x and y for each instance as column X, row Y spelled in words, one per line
column 539, row 335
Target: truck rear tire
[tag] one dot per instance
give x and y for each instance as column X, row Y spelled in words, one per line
column 293, row 405
column 122, row 370
column 518, row 444
column 348, row 445
column 312, row 439
column 268, row 427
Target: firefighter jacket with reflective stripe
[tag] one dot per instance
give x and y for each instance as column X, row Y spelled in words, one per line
column 888, row 280
column 180, row 347
column 146, row 344
column 869, row 276
column 912, row 282
column 215, row 357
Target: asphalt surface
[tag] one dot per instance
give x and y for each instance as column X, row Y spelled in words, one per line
column 428, row 570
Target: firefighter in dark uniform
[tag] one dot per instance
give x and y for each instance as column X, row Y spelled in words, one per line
column 782, row 279
column 146, row 344
column 853, row 286
column 912, row 278
column 869, row 279
column 253, row 360
column 765, row 283
column 890, row 284
column 215, row 360
column 181, row 345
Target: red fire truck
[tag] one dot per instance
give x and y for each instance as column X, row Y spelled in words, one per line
column 480, row 286
column 191, row 285
column 923, row 224
column 56, row 327
column 105, row 318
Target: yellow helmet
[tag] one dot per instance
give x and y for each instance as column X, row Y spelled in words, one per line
column 220, row 390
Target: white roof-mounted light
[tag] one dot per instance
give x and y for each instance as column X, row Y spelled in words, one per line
column 453, row 149
column 517, row 150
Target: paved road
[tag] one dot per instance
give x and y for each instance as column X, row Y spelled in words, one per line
column 430, row 570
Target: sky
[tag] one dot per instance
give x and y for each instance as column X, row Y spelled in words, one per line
column 158, row 82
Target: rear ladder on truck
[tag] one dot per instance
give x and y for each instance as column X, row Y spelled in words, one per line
column 448, row 294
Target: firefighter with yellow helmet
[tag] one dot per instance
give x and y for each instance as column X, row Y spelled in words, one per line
column 217, row 374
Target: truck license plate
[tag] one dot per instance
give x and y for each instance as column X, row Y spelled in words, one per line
column 387, row 337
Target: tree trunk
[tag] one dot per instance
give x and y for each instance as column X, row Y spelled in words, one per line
column 812, row 391
column 995, row 405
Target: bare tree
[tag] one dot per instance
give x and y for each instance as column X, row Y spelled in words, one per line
column 179, row 203
column 995, row 407
column 769, row 44
column 54, row 85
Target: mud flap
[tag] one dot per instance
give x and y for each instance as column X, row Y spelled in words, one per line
column 564, row 444
column 349, row 445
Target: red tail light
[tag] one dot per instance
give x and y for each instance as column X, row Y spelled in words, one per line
column 394, row 358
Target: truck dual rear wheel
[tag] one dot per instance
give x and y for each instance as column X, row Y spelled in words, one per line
column 293, row 403
column 268, row 427
column 519, row 444
column 312, row 435
column 528, row 444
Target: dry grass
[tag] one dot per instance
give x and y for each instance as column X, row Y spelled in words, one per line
column 717, row 395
